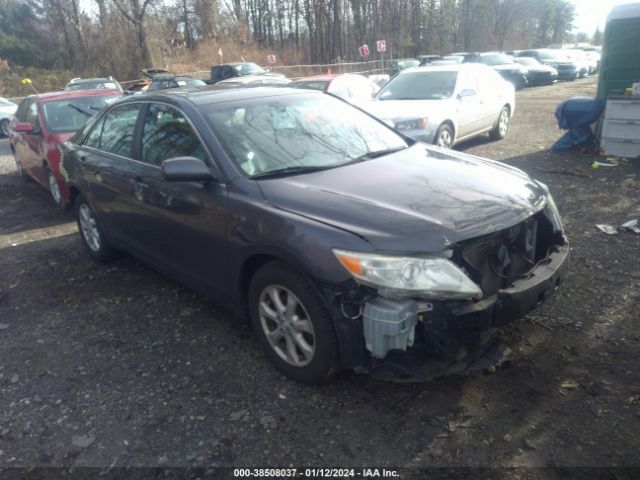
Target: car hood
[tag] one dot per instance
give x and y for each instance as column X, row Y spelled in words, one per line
column 540, row 68
column 507, row 67
column 404, row 109
column 418, row 200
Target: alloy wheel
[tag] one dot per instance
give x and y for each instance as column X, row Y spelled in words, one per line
column 89, row 227
column 54, row 187
column 287, row 325
column 503, row 125
column 4, row 127
column 444, row 139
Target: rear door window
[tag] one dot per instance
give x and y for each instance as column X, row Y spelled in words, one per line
column 115, row 133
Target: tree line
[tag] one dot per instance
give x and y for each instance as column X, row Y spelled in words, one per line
column 122, row 36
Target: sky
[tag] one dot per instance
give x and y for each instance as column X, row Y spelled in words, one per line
column 593, row 13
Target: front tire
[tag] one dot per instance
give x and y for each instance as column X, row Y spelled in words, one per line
column 502, row 125
column 293, row 324
column 444, row 136
column 91, row 232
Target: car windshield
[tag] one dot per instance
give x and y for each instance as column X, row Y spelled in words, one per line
column 495, row 59
column 69, row 114
column 189, row 82
column 552, row 55
column 312, row 84
column 527, row 61
column 402, row 64
column 294, row 133
column 6, row 103
column 248, row 69
column 420, row 86
column 97, row 85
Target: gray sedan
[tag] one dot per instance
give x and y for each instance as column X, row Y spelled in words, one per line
column 447, row 104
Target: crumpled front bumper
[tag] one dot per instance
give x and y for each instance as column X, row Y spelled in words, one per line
column 455, row 337
column 510, row 304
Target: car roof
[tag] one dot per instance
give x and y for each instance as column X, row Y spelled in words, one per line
column 316, row 78
column 173, row 77
column 211, row 95
column 234, row 64
column 52, row 96
column 454, row 67
column 98, row 79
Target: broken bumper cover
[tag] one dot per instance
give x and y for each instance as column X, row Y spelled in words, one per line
column 510, row 304
column 467, row 330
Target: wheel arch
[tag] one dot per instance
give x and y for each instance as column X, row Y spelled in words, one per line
column 258, row 258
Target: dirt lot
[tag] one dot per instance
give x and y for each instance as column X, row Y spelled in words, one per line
column 118, row 366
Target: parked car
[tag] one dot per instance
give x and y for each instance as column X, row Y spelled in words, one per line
column 587, row 64
column 253, row 81
column 594, row 58
column 580, row 58
column 343, row 241
column 567, row 69
column 447, row 104
column 233, row 70
column 537, row 73
column 452, row 58
column 141, row 86
column 428, row 59
column 161, row 82
column 503, row 64
column 41, row 124
column 93, row 84
column 7, row 110
column 353, row 88
column 396, row 66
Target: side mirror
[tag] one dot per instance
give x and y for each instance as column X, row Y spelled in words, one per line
column 185, row 169
column 467, row 92
column 24, row 127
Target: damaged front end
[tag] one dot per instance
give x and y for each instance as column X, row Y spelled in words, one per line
column 450, row 326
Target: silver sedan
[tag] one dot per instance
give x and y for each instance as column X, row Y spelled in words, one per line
column 446, row 104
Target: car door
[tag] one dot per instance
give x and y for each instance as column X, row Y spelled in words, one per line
column 106, row 163
column 493, row 92
column 31, row 144
column 469, row 105
column 182, row 225
column 18, row 139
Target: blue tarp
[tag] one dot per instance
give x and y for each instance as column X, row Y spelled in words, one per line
column 576, row 115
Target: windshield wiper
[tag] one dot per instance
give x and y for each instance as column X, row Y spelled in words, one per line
column 80, row 109
column 377, row 153
column 283, row 172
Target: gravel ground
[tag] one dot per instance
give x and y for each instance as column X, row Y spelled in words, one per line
column 119, row 366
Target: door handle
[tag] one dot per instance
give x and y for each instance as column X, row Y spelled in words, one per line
column 140, row 182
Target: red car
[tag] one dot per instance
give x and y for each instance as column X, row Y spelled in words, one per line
column 44, row 121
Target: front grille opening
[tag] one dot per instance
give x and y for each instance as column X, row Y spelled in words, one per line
column 495, row 261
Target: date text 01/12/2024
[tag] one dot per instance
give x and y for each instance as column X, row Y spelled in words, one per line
column 314, row 473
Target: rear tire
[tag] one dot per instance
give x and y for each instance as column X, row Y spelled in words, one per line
column 293, row 324
column 24, row 176
column 444, row 137
column 91, row 232
column 56, row 192
column 502, row 125
column 4, row 127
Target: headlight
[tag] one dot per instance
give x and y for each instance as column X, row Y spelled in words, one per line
column 413, row 124
column 426, row 277
column 553, row 208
